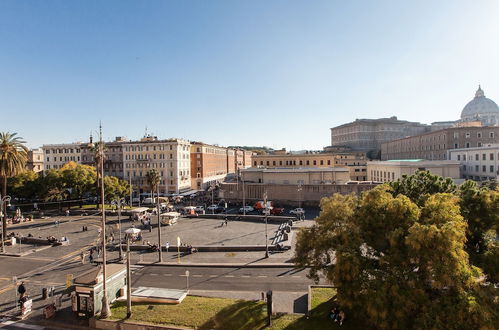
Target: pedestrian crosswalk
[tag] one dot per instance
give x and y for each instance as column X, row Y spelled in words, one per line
column 15, row 324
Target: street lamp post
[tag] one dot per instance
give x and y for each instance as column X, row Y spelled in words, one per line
column 266, row 233
column 244, row 194
column 299, row 194
column 119, row 202
column 105, row 310
column 128, row 232
column 160, row 254
column 3, row 200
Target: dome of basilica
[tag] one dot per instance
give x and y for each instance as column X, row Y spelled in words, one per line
column 481, row 109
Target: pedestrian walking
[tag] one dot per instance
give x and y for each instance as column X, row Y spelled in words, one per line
column 82, row 258
column 21, row 290
column 91, row 258
column 167, row 245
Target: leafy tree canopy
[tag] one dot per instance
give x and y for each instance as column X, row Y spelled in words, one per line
column 401, row 263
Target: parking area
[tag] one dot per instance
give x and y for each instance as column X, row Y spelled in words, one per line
column 208, row 232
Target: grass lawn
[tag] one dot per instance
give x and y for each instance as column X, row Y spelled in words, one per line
column 199, row 313
column 232, row 314
column 323, row 299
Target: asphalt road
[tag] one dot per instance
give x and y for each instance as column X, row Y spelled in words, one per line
column 222, row 279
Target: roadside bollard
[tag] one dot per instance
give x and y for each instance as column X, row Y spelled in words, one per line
column 44, row 293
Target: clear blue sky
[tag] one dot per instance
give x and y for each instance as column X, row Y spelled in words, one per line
column 274, row 73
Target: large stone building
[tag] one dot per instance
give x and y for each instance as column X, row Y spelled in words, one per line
column 211, row 164
column 171, row 158
column 56, row 155
column 113, row 156
column 478, row 163
column 368, row 134
column 296, row 176
column 355, row 162
column 434, row 145
column 35, row 160
column 384, row 171
column 481, row 109
column 478, row 126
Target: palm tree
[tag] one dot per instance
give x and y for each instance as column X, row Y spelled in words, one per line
column 153, row 178
column 13, row 157
column 96, row 148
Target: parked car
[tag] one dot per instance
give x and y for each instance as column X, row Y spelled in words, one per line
column 297, row 211
column 277, row 211
column 246, row 209
column 214, row 208
column 199, row 208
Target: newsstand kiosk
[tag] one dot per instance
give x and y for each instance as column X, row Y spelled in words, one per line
column 86, row 300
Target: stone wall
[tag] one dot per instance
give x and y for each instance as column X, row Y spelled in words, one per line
column 288, row 194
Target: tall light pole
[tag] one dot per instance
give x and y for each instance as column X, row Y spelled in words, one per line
column 299, row 194
column 160, row 254
column 119, row 202
column 3, row 200
column 266, row 233
column 128, row 233
column 105, row 310
column 244, row 194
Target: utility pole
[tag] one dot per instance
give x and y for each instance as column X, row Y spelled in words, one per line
column 244, row 194
column 266, row 233
column 105, row 311
column 128, row 276
column 4, row 200
column 160, row 255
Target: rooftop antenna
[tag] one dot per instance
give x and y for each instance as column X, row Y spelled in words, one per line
column 145, row 133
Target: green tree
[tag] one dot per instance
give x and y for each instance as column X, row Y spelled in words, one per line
column 479, row 206
column 13, row 157
column 153, row 178
column 78, row 179
column 115, row 188
column 398, row 264
column 98, row 149
column 25, row 185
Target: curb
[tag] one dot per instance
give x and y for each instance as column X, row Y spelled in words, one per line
column 218, row 265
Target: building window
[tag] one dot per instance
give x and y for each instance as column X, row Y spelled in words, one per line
column 479, row 135
column 491, row 168
column 477, row 157
column 477, row 168
column 280, row 163
column 491, row 135
column 273, row 162
column 468, row 135
column 456, row 145
column 254, row 163
column 308, row 162
column 491, row 156
column 479, row 144
column 458, row 157
column 261, row 162
column 328, row 162
column 322, row 162
column 467, row 144
column 315, row 162
column 301, row 162
column 268, row 163
column 484, row 157
column 484, row 168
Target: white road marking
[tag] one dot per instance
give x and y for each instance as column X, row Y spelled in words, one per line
column 229, row 276
column 197, row 275
column 213, row 275
column 167, row 274
column 262, row 275
column 245, row 276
